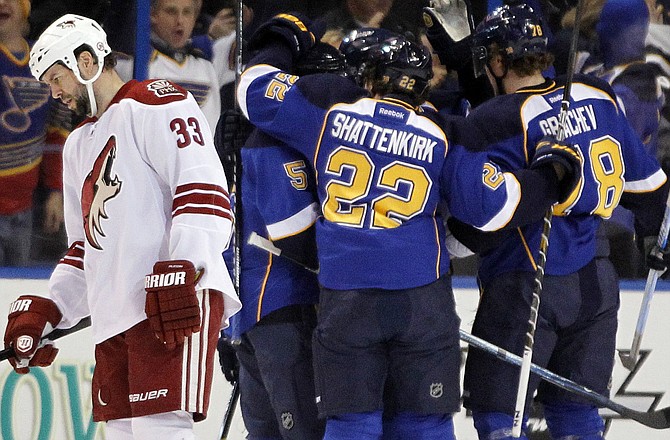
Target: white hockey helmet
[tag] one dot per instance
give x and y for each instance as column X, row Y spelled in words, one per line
column 59, row 41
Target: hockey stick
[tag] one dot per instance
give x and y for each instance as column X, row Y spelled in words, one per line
column 268, row 246
column 230, row 411
column 629, row 358
column 58, row 333
column 237, row 156
column 237, row 232
column 655, row 419
column 659, row 419
column 524, row 374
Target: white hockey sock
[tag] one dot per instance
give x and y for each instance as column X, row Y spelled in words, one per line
column 177, row 425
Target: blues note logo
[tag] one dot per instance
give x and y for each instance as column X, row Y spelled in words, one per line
column 23, row 96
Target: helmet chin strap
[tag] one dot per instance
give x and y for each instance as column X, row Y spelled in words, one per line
column 499, row 79
column 89, row 86
column 91, row 99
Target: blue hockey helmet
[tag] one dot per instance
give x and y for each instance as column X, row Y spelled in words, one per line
column 379, row 54
column 321, row 58
column 516, row 30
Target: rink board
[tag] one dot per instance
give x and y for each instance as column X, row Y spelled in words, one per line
column 55, row 403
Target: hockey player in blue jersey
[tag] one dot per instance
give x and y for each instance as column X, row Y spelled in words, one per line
column 576, row 328
column 387, row 337
column 274, row 328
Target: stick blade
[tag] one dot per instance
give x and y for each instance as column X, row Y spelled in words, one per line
column 659, row 419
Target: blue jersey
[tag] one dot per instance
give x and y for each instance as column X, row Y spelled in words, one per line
column 616, row 164
column 381, row 168
column 278, row 201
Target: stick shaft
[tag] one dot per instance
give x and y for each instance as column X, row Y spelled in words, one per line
column 629, row 360
column 659, row 419
column 544, row 241
column 230, row 411
column 267, row 245
column 56, row 334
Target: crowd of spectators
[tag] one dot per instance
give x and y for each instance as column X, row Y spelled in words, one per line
column 194, row 43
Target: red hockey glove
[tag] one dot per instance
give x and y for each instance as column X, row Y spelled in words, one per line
column 172, row 306
column 30, row 318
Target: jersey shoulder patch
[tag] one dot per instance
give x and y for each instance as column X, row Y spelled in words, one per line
column 156, row 92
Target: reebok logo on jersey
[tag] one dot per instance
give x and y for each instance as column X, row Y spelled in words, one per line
column 149, row 395
column 383, row 111
column 165, row 280
column 20, row 305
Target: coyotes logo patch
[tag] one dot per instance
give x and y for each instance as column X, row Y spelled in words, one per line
column 99, row 187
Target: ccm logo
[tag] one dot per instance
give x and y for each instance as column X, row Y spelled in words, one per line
column 149, row 395
column 165, row 280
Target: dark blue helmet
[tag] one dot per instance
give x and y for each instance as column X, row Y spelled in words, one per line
column 321, row 58
column 380, row 54
column 516, row 30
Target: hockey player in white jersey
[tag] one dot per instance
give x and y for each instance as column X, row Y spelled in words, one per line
column 147, row 216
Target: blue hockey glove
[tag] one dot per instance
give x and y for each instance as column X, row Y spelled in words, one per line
column 230, row 366
column 292, row 28
column 656, row 257
column 566, row 161
column 232, row 131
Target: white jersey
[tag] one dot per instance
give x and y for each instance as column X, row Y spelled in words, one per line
column 197, row 75
column 141, row 184
column 223, row 59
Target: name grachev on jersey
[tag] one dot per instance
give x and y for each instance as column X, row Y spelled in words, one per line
column 386, row 140
column 578, row 120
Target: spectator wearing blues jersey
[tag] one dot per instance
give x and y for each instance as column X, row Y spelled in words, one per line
column 175, row 58
column 33, row 127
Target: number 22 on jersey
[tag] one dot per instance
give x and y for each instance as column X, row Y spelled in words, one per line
column 383, row 199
